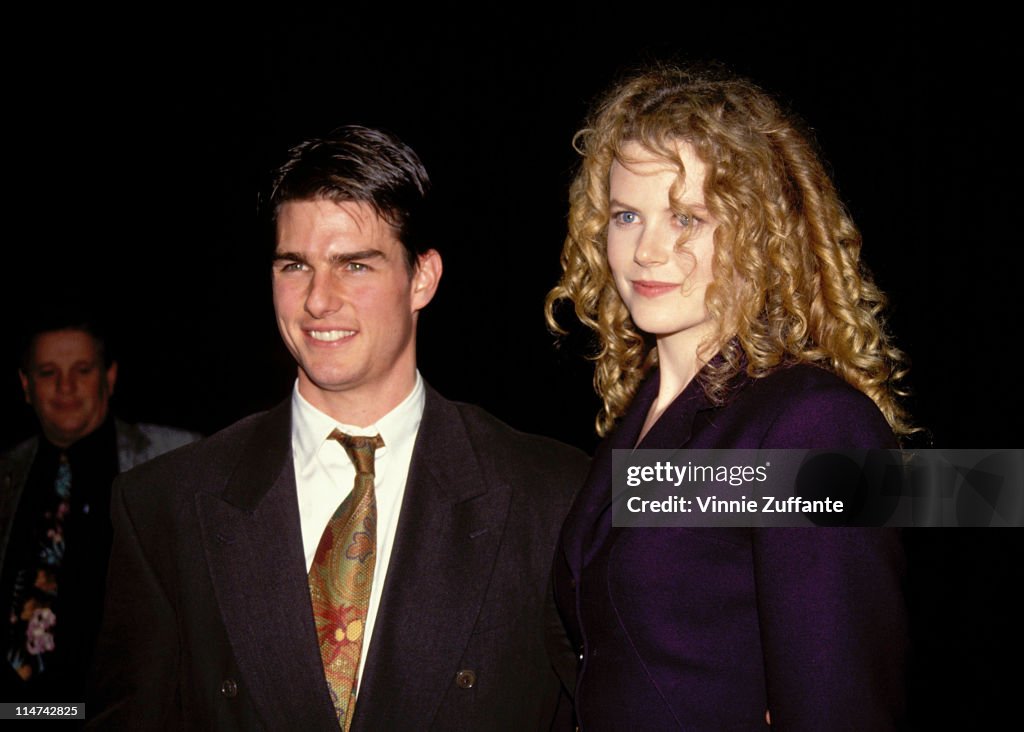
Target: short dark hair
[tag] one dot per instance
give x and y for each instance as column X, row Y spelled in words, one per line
column 365, row 165
column 64, row 316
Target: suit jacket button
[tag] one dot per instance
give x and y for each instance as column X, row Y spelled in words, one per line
column 572, row 584
column 229, row 688
column 465, row 679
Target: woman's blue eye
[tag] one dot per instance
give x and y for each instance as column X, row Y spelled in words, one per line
column 626, row 217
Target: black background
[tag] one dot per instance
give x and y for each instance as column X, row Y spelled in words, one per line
column 136, row 145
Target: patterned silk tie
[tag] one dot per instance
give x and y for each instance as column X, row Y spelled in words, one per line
column 341, row 576
column 34, row 610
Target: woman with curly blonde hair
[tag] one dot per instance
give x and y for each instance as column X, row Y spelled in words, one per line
column 709, row 251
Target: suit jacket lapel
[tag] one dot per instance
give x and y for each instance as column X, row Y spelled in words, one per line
column 14, row 470
column 583, row 529
column 589, row 523
column 450, row 526
column 253, row 543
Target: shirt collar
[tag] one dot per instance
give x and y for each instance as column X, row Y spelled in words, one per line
column 311, row 427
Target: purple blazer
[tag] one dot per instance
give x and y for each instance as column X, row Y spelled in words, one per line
column 706, row 629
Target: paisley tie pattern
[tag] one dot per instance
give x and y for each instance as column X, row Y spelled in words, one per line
column 341, row 576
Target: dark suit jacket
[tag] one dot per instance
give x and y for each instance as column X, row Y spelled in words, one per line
column 136, row 443
column 705, row 629
column 85, row 561
column 209, row 624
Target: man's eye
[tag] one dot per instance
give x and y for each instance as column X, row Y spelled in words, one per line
column 625, row 217
column 356, row 267
column 292, row 267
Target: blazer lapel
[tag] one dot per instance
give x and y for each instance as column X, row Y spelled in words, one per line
column 253, row 544
column 589, row 521
column 450, row 526
column 583, row 529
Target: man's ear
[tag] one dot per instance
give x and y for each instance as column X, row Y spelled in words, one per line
column 23, row 377
column 111, row 377
column 425, row 278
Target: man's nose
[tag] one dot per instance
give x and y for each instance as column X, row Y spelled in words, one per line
column 66, row 383
column 324, row 296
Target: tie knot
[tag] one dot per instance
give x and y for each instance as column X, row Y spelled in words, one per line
column 360, row 449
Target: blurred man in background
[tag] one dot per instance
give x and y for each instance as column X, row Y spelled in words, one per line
column 55, row 529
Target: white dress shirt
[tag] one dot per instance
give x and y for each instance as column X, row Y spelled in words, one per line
column 325, row 475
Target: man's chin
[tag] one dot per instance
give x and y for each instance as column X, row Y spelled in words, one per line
column 66, row 438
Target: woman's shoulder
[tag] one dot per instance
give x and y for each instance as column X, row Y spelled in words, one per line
column 803, row 406
column 805, row 377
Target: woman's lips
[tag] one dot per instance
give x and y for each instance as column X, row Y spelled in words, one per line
column 652, row 288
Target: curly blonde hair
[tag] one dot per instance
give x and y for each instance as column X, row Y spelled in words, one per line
column 788, row 286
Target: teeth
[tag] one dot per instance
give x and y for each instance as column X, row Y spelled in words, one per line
column 330, row 335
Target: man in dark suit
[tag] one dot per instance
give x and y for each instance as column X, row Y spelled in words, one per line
column 54, row 504
column 243, row 596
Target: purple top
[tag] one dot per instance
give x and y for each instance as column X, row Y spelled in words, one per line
column 706, row 629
